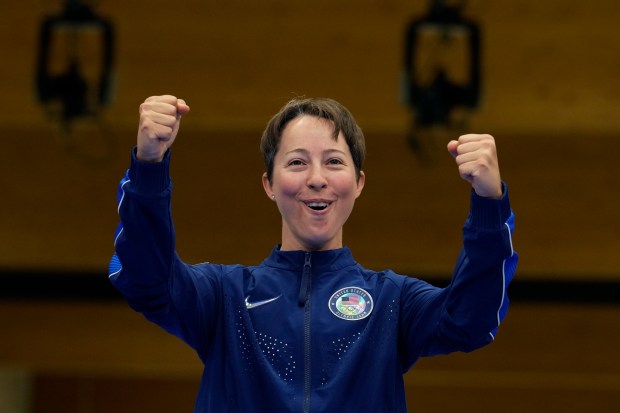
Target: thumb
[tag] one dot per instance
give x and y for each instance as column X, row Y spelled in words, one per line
column 452, row 148
column 182, row 107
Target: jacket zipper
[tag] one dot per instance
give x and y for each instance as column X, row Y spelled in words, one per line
column 304, row 291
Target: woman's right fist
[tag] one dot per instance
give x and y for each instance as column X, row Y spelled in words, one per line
column 160, row 117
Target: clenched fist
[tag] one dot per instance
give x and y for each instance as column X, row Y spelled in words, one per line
column 476, row 158
column 160, row 117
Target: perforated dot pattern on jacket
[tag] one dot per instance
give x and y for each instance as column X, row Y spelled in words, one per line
column 336, row 350
column 279, row 355
column 276, row 351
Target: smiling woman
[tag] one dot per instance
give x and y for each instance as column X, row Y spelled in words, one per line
column 314, row 184
column 283, row 335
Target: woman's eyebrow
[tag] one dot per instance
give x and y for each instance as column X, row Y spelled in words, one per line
column 340, row 151
column 306, row 152
column 298, row 150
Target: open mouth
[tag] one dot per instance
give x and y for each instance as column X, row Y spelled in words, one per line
column 317, row 205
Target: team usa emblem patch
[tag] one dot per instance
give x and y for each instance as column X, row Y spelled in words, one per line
column 351, row 303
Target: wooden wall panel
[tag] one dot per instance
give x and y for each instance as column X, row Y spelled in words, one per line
column 547, row 65
column 550, row 97
column 61, row 211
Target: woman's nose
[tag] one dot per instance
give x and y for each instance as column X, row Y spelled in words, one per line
column 316, row 179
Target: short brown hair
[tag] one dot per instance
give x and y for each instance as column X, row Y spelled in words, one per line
column 324, row 108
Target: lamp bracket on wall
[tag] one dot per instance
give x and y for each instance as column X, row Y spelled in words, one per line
column 75, row 61
column 441, row 71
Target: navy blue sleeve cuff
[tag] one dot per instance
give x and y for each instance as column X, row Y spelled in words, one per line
column 489, row 213
column 149, row 177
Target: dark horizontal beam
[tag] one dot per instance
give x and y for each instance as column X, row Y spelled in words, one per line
column 565, row 291
column 56, row 285
column 94, row 286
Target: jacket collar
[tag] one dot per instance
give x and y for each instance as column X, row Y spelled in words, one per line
column 321, row 261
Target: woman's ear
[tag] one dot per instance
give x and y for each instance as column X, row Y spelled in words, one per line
column 360, row 184
column 267, row 187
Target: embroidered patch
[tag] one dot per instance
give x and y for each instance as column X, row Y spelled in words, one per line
column 351, row 303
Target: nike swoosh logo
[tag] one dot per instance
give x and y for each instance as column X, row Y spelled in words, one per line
column 250, row 305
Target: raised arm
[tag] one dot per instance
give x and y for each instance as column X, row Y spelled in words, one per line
column 145, row 267
column 466, row 314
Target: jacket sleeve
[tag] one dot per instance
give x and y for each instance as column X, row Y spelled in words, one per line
column 145, row 267
column 466, row 314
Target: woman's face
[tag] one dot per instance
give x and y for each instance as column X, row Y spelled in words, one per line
column 314, row 184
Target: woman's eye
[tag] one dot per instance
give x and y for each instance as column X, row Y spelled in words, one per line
column 296, row 162
column 335, row 161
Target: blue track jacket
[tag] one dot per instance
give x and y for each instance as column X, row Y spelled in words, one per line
column 306, row 331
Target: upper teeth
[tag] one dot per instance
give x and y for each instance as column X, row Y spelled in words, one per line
column 317, row 204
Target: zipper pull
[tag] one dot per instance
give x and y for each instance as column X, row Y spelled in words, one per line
column 304, row 287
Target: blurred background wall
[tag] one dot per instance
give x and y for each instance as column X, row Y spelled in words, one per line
column 549, row 94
